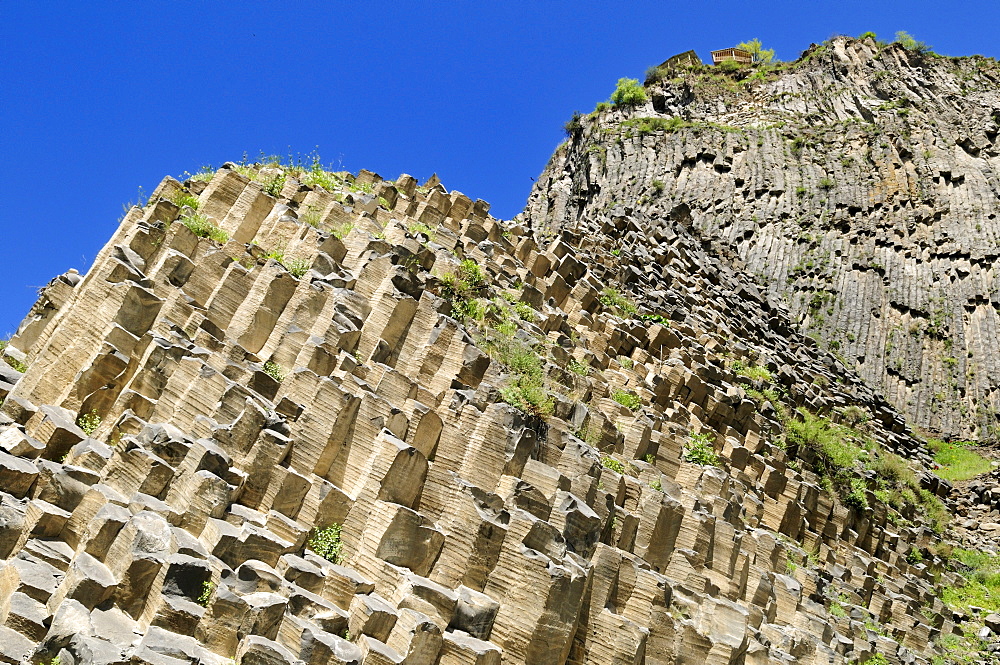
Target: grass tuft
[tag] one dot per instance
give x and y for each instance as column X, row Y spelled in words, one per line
column 201, row 227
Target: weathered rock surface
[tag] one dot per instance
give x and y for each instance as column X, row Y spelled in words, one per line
column 504, row 446
column 859, row 185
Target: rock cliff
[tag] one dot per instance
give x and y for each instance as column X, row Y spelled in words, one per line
column 859, row 184
column 294, row 416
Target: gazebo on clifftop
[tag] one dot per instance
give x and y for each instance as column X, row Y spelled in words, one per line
column 739, row 55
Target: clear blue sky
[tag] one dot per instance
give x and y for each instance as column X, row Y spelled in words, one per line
column 98, row 99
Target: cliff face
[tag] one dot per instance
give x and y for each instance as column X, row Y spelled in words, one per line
column 858, row 184
column 365, row 422
column 307, row 417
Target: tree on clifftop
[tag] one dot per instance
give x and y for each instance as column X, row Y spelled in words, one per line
column 757, row 50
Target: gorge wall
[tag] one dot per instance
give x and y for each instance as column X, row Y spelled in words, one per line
column 294, row 416
column 859, row 184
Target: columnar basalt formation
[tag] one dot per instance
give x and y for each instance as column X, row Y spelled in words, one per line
column 509, row 461
column 859, row 184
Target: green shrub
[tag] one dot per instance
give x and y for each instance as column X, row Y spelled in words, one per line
column 854, row 415
column 629, row 400
column 275, row 185
column 525, row 389
column 877, row 659
column 653, row 125
column 326, row 543
column 461, row 285
column 528, row 396
column 201, row 227
column 911, row 44
column 629, row 92
column 658, row 186
column 574, row 125
column 577, row 367
column 855, row 495
column 609, row 462
column 298, row 267
column 612, row 298
column 894, row 468
column 205, row 597
column 699, row 450
column 752, row 372
column 914, row 556
column 830, row 442
column 654, row 74
column 524, row 311
column 89, row 422
column 274, row 370
column 867, row 35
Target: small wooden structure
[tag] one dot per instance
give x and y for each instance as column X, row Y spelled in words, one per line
column 739, row 55
column 685, row 59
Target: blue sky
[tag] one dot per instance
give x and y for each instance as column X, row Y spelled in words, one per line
column 98, row 99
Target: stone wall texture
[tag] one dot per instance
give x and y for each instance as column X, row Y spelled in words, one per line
column 859, row 185
column 562, row 439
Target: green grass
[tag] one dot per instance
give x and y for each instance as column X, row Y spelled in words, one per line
column 830, row 442
column 318, row 176
column 956, row 462
column 416, row 228
column 629, row 400
column 577, row 367
column 183, row 198
column 311, row 217
column 275, row 185
column 752, row 372
column 326, row 543
column 524, row 311
column 200, row 226
column 981, row 590
column 340, row 232
column 611, row 298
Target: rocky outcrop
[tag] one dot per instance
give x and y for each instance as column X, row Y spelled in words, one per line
column 858, row 184
column 302, row 417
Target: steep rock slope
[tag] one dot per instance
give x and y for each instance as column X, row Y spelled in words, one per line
column 859, row 184
column 308, row 417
